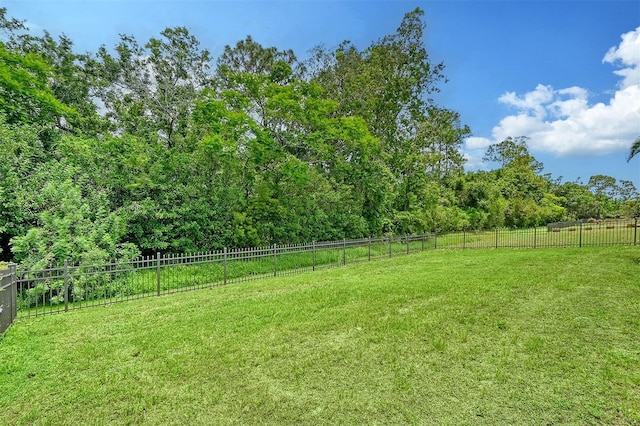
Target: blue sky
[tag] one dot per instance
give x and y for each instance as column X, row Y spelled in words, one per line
column 564, row 73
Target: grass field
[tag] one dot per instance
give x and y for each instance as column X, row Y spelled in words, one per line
column 546, row 336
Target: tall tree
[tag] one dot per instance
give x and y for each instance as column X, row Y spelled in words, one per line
column 528, row 194
column 579, row 202
column 389, row 85
column 513, row 152
column 244, row 72
column 150, row 90
column 292, row 145
column 249, row 56
column 25, row 94
column 627, row 190
column 22, row 154
column 606, row 190
column 63, row 71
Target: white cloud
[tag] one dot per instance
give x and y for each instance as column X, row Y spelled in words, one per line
column 473, row 160
column 563, row 122
column 474, row 148
column 532, row 101
column 570, row 102
column 474, row 142
column 628, row 54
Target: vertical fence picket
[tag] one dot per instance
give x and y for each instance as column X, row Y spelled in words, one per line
column 158, row 272
column 170, row 273
column 580, row 236
column 14, row 286
column 13, row 279
column 224, row 267
column 147, row 281
column 313, row 261
column 66, row 285
column 344, row 251
column 275, row 261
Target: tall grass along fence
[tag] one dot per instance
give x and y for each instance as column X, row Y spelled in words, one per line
column 27, row 293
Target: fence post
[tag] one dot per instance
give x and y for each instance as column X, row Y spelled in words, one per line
column 464, row 238
column 344, row 251
column 407, row 243
column 435, row 240
column 423, row 241
column 224, row 266
column 390, row 241
column 369, row 247
column 158, row 271
column 535, row 233
column 580, row 240
column 275, row 261
column 635, row 232
column 313, row 245
column 14, row 291
column 66, row 285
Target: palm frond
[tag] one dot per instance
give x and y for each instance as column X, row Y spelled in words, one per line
column 635, row 149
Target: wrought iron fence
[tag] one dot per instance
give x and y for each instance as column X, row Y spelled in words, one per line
column 69, row 287
column 8, row 292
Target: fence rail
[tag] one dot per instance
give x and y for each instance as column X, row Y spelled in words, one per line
column 28, row 293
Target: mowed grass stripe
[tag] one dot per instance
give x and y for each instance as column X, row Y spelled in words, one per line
column 455, row 337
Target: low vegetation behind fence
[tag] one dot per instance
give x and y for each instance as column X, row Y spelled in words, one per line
column 69, row 287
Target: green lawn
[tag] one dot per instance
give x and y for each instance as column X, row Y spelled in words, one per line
column 585, row 235
column 548, row 336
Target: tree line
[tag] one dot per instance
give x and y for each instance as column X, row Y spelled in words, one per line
column 158, row 147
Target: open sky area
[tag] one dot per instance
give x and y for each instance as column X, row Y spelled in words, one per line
column 564, row 73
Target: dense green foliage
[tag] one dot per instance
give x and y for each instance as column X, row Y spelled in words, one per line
column 446, row 337
column 153, row 147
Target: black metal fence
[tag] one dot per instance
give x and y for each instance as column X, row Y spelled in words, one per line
column 8, row 296
column 67, row 287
